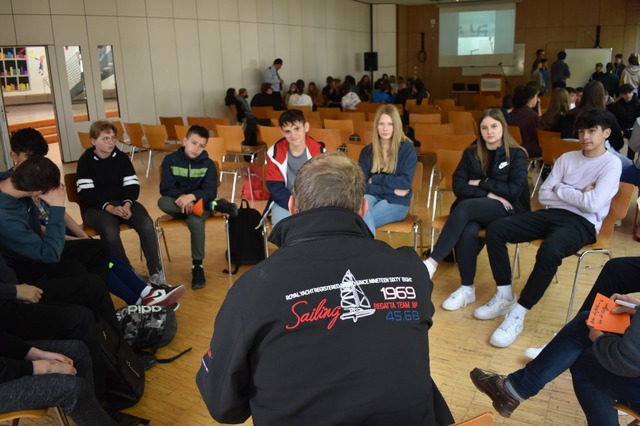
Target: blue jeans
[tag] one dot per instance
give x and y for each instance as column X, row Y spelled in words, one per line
column 596, row 388
column 278, row 213
column 382, row 212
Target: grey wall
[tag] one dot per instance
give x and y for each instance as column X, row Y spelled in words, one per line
column 177, row 57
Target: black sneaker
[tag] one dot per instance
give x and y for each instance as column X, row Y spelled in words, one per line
column 197, row 277
column 224, row 206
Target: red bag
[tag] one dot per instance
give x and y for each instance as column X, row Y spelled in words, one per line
column 259, row 192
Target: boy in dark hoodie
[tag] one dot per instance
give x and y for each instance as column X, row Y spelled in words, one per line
column 189, row 178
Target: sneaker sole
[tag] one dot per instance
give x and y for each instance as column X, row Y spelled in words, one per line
column 171, row 298
column 479, row 385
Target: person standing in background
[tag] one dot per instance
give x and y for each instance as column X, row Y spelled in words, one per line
column 272, row 77
column 560, row 71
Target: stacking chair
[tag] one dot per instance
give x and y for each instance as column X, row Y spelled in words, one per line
column 361, row 127
column 217, row 152
column 331, row 113
column 628, row 411
column 170, row 123
column 181, row 132
column 331, row 138
column 346, row 128
column 617, row 211
column 415, row 118
column 304, row 108
column 214, row 121
column 233, row 137
column 199, row 121
column 15, row 416
column 313, row 118
column 156, row 135
column 547, row 141
column 136, row 137
column 270, row 114
column 268, row 135
column 167, row 221
column 515, row 133
column 368, row 107
column 447, row 162
column 444, row 102
column 409, row 103
column 261, row 112
column 412, row 223
column 356, row 116
column 423, row 108
column 354, row 149
column 124, row 141
column 424, row 133
column 463, row 122
column 85, row 140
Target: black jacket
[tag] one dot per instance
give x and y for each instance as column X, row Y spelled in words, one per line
column 331, row 329
column 508, row 179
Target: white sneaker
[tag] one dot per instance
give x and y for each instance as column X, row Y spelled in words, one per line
column 459, row 298
column 508, row 331
column 496, row 307
column 532, row 353
column 158, row 279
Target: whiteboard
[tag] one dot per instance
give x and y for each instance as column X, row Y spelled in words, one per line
column 582, row 63
column 516, row 69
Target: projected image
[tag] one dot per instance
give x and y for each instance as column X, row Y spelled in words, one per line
column 476, row 33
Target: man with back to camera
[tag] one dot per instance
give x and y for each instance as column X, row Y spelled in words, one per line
column 560, row 71
column 330, row 329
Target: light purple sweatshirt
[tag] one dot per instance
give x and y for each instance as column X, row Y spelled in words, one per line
column 573, row 172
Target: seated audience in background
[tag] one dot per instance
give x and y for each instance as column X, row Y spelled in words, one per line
column 293, row 89
column 550, row 121
column 364, row 87
column 389, row 164
column 355, row 379
column 245, row 114
column 316, row 96
column 383, row 94
column 579, row 92
column 593, row 97
column 605, row 367
column 610, row 81
column 545, row 76
column 348, row 79
column 573, row 97
column 121, row 280
column 285, row 158
column 334, row 95
column 507, row 107
column 420, row 92
column 265, row 98
column 631, row 73
column 626, row 109
column 108, row 189
column 525, row 98
column 489, row 183
column 299, row 98
column 327, row 88
column 576, row 196
column 189, row 177
column 350, row 99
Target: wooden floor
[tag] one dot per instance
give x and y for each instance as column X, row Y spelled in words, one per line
column 458, row 341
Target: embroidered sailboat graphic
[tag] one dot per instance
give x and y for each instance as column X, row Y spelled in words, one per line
column 354, row 301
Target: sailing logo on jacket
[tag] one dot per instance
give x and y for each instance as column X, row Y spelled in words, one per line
column 396, row 296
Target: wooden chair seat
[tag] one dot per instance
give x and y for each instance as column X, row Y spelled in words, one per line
column 41, row 413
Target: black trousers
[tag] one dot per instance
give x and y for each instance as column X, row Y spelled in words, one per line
column 619, row 275
column 564, row 233
column 56, row 321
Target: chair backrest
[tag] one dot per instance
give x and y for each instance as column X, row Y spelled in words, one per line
column 216, row 150
column 234, row 112
column 484, row 419
column 304, row 108
column 332, row 138
column 361, row 127
column 156, row 135
column 70, row 185
column 356, row 116
column 181, row 132
column 118, row 126
column 269, row 135
column 452, row 142
column 444, row 102
column 424, row 134
column 85, row 140
column 276, row 114
column 313, row 118
column 423, row 108
column 346, row 125
column 562, row 146
column 482, row 102
column 409, row 103
column 515, row 133
column 232, row 135
column 136, row 135
column 353, row 150
column 170, row 123
column 447, row 161
column 617, row 211
column 367, row 107
column 214, row 121
column 331, row 113
column 415, row 118
column 463, row 122
column 544, row 101
column 203, row 121
column 261, row 112
column 545, row 139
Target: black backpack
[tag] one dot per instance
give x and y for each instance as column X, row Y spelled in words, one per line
column 247, row 246
column 147, row 327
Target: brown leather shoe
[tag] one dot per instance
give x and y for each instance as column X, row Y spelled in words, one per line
column 492, row 385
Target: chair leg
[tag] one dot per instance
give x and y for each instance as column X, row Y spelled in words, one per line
column 233, row 188
column 62, row 417
column 226, row 231
column 516, row 263
column 149, row 163
column 250, row 183
column 430, row 187
column 535, row 186
column 575, row 279
column 159, row 231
